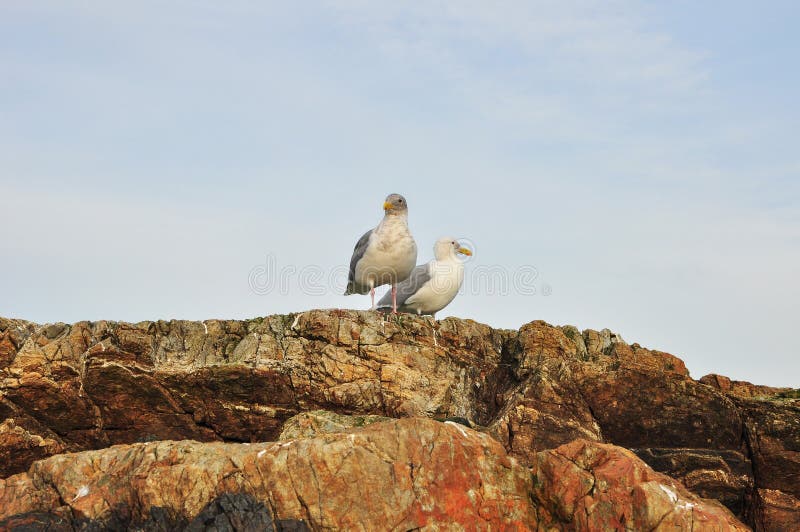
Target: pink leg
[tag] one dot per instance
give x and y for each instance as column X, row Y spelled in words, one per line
column 394, row 299
column 372, row 295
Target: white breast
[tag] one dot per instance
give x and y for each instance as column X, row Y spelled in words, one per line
column 390, row 255
column 446, row 279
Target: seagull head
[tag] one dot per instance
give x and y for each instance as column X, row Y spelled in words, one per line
column 395, row 204
column 449, row 247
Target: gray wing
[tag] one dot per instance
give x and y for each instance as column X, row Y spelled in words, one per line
column 419, row 276
column 358, row 252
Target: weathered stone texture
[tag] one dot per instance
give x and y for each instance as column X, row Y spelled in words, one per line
column 90, row 385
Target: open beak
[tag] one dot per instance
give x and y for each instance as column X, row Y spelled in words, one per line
column 465, row 251
column 387, row 206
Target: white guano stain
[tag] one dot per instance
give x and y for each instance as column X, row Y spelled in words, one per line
column 673, row 497
column 83, row 491
column 296, row 319
column 458, row 426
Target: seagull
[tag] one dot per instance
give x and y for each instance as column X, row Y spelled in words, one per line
column 384, row 255
column 431, row 286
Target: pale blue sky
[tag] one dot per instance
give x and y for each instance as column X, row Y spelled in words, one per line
column 642, row 156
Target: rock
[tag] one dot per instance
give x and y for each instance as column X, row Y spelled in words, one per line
column 19, row 445
column 238, row 511
column 23, row 439
column 13, row 334
column 399, row 475
column 569, row 382
column 227, row 512
column 546, row 408
column 741, row 388
column 723, row 475
column 776, row 510
column 592, row 486
column 316, row 422
column 773, row 436
column 542, row 414
column 660, row 409
column 89, row 385
column 101, row 383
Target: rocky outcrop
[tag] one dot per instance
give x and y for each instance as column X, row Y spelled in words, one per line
column 394, row 475
column 411, row 473
column 89, row 385
column 773, row 438
column 593, row 486
column 743, row 389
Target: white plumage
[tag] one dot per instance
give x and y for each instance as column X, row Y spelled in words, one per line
column 384, row 255
column 432, row 286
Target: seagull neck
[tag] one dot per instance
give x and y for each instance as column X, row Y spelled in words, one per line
column 390, row 220
column 447, row 256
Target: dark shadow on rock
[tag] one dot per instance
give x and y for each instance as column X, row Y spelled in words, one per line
column 240, row 512
column 230, row 512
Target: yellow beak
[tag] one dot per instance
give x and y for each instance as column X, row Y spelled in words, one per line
column 465, row 251
column 387, row 206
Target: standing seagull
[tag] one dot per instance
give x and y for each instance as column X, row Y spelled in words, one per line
column 384, row 255
column 432, row 286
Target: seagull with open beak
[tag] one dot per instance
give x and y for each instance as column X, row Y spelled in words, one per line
column 431, row 286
